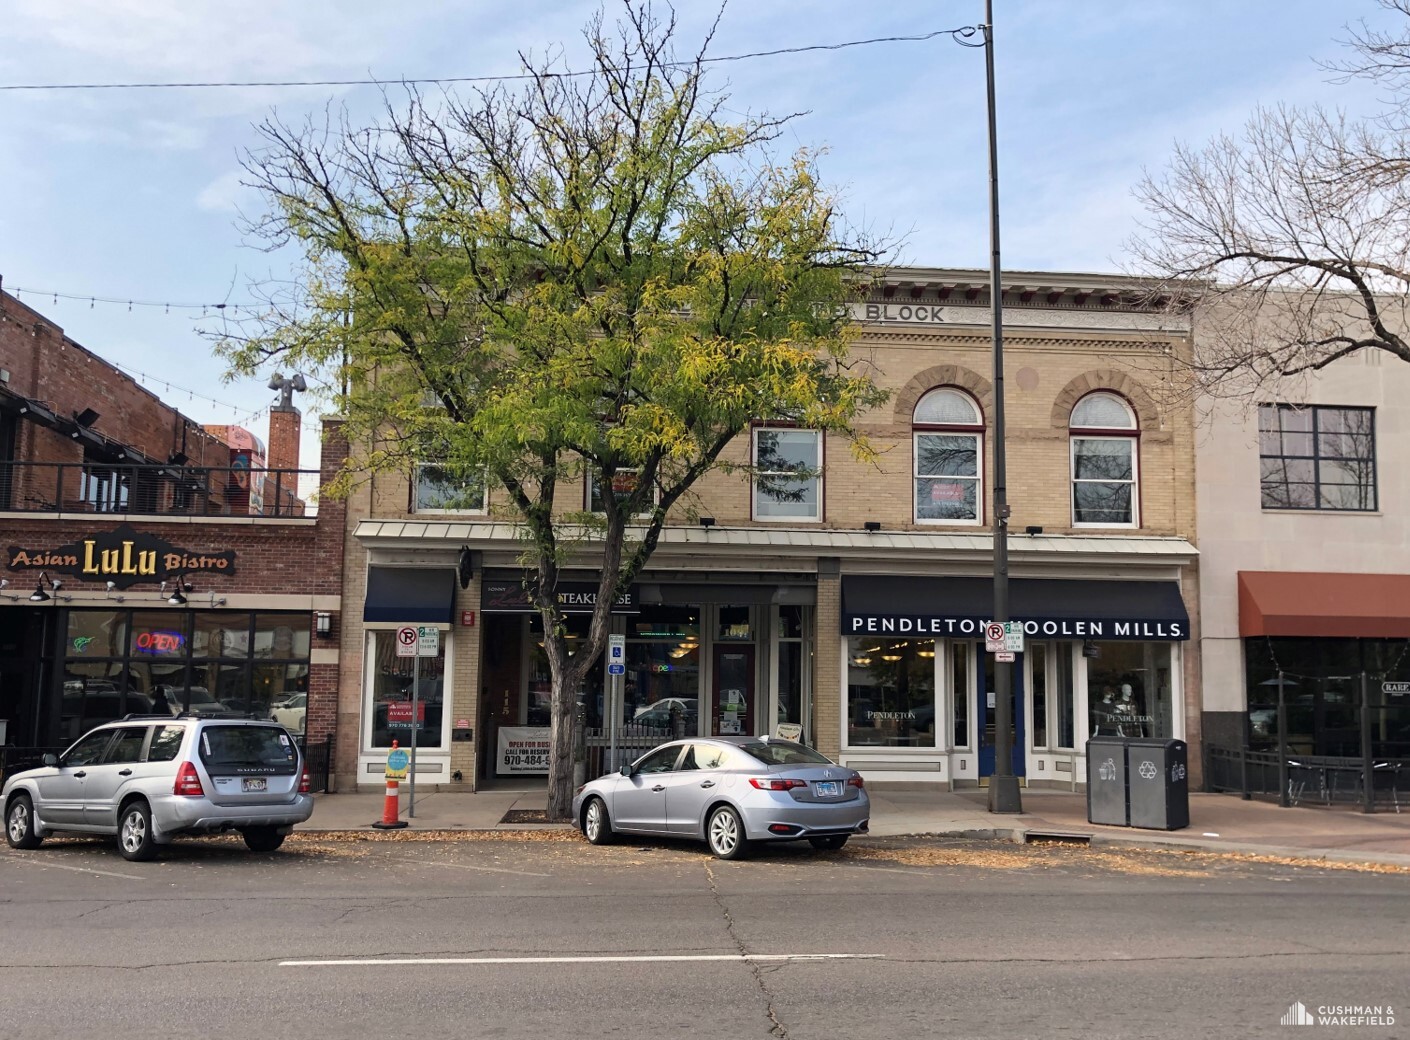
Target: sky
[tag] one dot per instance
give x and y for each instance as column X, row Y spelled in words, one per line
column 136, row 195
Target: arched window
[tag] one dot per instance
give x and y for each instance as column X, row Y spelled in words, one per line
column 1105, row 462
column 949, row 453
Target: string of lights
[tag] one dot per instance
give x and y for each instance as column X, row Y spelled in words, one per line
column 167, row 305
column 240, row 415
column 959, row 35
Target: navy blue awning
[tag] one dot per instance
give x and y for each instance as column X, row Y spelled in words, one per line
column 411, row 595
column 1050, row 608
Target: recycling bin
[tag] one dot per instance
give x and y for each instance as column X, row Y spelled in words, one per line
column 1106, row 781
column 1157, row 779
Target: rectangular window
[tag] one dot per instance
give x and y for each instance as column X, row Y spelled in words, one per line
column 449, row 489
column 1038, row 675
column 1129, row 691
column 393, row 677
column 787, row 474
column 891, row 693
column 1104, row 481
column 959, row 693
column 1062, row 690
column 947, row 477
column 624, row 482
column 1317, row 457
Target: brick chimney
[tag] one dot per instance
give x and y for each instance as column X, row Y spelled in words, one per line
column 285, row 424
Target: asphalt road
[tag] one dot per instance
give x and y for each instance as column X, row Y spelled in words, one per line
column 887, row 939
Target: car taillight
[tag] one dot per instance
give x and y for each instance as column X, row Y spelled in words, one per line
column 188, row 781
column 856, row 781
column 773, row 784
column 304, row 782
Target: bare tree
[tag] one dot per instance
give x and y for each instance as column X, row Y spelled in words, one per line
column 1295, row 233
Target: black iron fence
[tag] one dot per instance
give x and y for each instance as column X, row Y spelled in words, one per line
column 152, row 489
column 318, row 760
column 632, row 741
column 1324, row 780
column 16, row 759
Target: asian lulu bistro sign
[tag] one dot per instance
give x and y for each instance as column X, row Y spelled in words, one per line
column 123, row 556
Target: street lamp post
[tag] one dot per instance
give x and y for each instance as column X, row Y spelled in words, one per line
column 1003, row 785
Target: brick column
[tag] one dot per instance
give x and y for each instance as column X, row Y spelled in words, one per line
column 827, row 653
column 464, row 701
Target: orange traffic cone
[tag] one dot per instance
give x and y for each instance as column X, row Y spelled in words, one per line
column 391, row 805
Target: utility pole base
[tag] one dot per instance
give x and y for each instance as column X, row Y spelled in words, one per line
column 1003, row 795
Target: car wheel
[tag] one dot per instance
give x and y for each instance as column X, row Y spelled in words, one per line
column 262, row 839
column 830, row 843
column 19, row 824
column 724, row 833
column 135, row 832
column 597, row 828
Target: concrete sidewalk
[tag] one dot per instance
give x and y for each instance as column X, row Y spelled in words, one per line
column 1219, row 822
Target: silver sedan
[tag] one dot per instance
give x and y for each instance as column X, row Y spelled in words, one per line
column 728, row 792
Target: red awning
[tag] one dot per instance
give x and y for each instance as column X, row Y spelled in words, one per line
column 1307, row 603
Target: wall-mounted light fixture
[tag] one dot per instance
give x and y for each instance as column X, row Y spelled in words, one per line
column 177, row 597
column 872, row 525
column 1032, row 529
column 323, row 623
column 39, row 595
column 707, row 521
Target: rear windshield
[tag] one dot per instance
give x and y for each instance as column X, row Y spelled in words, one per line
column 781, row 753
column 247, row 749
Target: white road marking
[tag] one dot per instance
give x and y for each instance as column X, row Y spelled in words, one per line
column 492, row 870
column 664, row 958
column 81, row 870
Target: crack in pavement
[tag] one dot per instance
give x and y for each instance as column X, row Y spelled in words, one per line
column 776, row 1027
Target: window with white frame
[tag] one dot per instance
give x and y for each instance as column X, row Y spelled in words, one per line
column 449, row 489
column 787, row 474
column 624, row 483
column 1105, row 465
column 949, row 452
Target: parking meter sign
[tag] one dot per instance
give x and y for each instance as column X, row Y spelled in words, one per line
column 407, row 641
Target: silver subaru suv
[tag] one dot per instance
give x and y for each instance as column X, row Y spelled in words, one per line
column 147, row 779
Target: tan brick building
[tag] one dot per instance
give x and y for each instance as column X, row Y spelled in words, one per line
column 851, row 607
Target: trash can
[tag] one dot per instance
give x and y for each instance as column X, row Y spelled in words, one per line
column 1106, row 781
column 1157, row 777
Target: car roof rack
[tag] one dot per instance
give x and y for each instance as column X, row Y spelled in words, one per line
column 144, row 715
column 220, row 715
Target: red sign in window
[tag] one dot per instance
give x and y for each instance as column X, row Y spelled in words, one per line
column 157, row 642
column 399, row 713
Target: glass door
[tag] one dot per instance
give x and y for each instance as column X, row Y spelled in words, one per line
column 987, row 713
column 734, row 700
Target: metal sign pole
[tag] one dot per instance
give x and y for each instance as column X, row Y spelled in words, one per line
column 1284, row 782
column 1368, row 762
column 415, row 724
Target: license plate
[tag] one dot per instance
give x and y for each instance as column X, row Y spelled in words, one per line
column 254, row 783
column 828, row 788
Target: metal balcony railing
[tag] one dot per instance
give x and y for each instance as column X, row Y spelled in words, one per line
column 154, row 490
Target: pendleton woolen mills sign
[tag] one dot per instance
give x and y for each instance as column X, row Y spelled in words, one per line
column 123, row 556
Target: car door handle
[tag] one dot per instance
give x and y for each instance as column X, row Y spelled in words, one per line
column 79, row 775
column 707, row 783
column 124, row 772
column 659, row 787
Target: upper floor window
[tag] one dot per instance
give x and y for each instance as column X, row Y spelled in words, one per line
column 1105, row 462
column 949, row 447
column 448, row 489
column 787, row 474
column 1317, row 457
column 624, row 483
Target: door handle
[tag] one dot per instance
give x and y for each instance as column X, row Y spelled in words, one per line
column 707, row 783
column 79, row 775
column 124, row 772
column 659, row 787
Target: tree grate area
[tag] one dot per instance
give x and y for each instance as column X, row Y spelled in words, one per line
column 525, row 816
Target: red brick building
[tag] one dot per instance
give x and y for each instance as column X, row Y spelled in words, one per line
column 144, row 563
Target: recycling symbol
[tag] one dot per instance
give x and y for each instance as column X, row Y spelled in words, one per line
column 1148, row 770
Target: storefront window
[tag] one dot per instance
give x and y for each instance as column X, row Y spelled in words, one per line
column 1322, row 682
column 1129, row 691
column 538, row 711
column 281, row 636
column 891, row 693
column 1038, row 676
column 1062, row 696
column 392, row 679
column 221, row 634
column 959, row 692
column 791, row 656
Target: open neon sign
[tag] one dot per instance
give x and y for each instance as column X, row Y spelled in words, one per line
column 159, row 642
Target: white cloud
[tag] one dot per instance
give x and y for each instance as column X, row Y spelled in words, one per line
column 223, row 194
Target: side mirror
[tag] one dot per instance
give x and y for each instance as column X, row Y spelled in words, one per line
column 626, row 770
column 50, row 760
